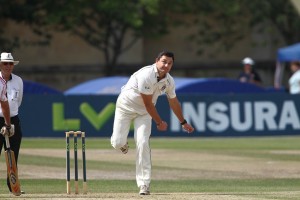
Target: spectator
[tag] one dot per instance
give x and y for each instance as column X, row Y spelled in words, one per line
column 249, row 75
column 294, row 81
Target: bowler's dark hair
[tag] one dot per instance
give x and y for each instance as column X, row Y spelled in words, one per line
column 166, row 53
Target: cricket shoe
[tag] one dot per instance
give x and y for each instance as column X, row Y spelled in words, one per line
column 144, row 190
column 125, row 148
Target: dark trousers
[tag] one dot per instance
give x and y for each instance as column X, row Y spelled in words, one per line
column 15, row 140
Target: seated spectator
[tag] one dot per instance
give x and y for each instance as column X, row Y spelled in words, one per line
column 249, row 75
column 294, row 81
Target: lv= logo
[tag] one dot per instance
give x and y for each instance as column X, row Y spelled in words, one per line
column 97, row 120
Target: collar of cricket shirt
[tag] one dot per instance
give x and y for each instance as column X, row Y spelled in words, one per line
column 157, row 74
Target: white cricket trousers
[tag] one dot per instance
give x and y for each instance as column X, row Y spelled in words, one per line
column 142, row 132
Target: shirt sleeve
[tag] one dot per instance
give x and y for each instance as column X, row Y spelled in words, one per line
column 3, row 92
column 171, row 89
column 21, row 92
column 145, row 86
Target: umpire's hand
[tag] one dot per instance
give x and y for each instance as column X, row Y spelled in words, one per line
column 8, row 130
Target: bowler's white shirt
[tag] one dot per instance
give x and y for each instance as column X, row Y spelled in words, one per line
column 14, row 94
column 145, row 81
column 294, row 83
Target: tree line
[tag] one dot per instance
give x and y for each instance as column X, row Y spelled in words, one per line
column 104, row 24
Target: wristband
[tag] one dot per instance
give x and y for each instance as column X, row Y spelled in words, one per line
column 183, row 123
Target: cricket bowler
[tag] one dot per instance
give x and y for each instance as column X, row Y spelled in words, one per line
column 136, row 103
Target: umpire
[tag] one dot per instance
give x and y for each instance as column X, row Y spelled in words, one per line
column 14, row 95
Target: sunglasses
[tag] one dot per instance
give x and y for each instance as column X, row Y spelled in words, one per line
column 8, row 63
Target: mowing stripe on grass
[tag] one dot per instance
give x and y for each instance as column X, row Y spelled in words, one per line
column 159, row 186
column 244, row 143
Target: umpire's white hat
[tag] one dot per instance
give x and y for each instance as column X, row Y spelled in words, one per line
column 7, row 57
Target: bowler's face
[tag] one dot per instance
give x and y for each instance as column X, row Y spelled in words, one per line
column 164, row 65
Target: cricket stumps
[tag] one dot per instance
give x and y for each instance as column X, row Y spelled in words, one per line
column 75, row 135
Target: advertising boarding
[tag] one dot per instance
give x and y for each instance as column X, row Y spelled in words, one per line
column 211, row 115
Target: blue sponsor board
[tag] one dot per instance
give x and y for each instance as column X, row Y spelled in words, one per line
column 211, row 115
column 241, row 115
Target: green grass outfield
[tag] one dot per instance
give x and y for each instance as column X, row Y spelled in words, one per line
column 256, row 148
